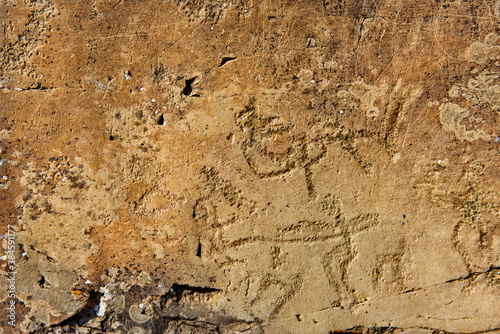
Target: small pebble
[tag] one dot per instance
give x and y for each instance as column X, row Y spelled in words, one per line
column 5, row 177
column 153, row 100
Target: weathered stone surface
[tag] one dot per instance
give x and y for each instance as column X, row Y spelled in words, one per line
column 251, row 166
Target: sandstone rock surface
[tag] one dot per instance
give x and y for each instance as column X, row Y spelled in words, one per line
column 251, row 166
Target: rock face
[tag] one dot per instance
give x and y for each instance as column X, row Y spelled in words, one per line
column 250, row 166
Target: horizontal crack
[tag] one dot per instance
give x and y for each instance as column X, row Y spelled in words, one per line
column 180, row 289
column 388, row 330
column 454, row 280
column 473, row 275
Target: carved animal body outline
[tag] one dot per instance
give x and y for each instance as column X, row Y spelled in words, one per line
column 224, row 208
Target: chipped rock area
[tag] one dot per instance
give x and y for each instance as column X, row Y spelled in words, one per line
column 250, row 166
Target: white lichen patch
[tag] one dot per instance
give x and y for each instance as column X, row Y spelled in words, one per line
column 482, row 94
column 4, row 134
column 306, row 76
column 110, row 301
column 451, row 117
column 367, row 95
column 474, row 105
column 485, row 87
column 482, row 52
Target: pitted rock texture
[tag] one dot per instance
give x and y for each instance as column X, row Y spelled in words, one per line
column 251, row 166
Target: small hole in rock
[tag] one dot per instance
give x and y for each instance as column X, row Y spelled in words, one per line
column 198, row 251
column 226, row 60
column 188, row 88
column 111, row 138
column 41, row 281
column 161, row 120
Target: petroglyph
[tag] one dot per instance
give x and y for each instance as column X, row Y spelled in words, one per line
column 231, row 238
column 388, row 274
column 251, row 166
column 475, row 236
column 273, row 146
